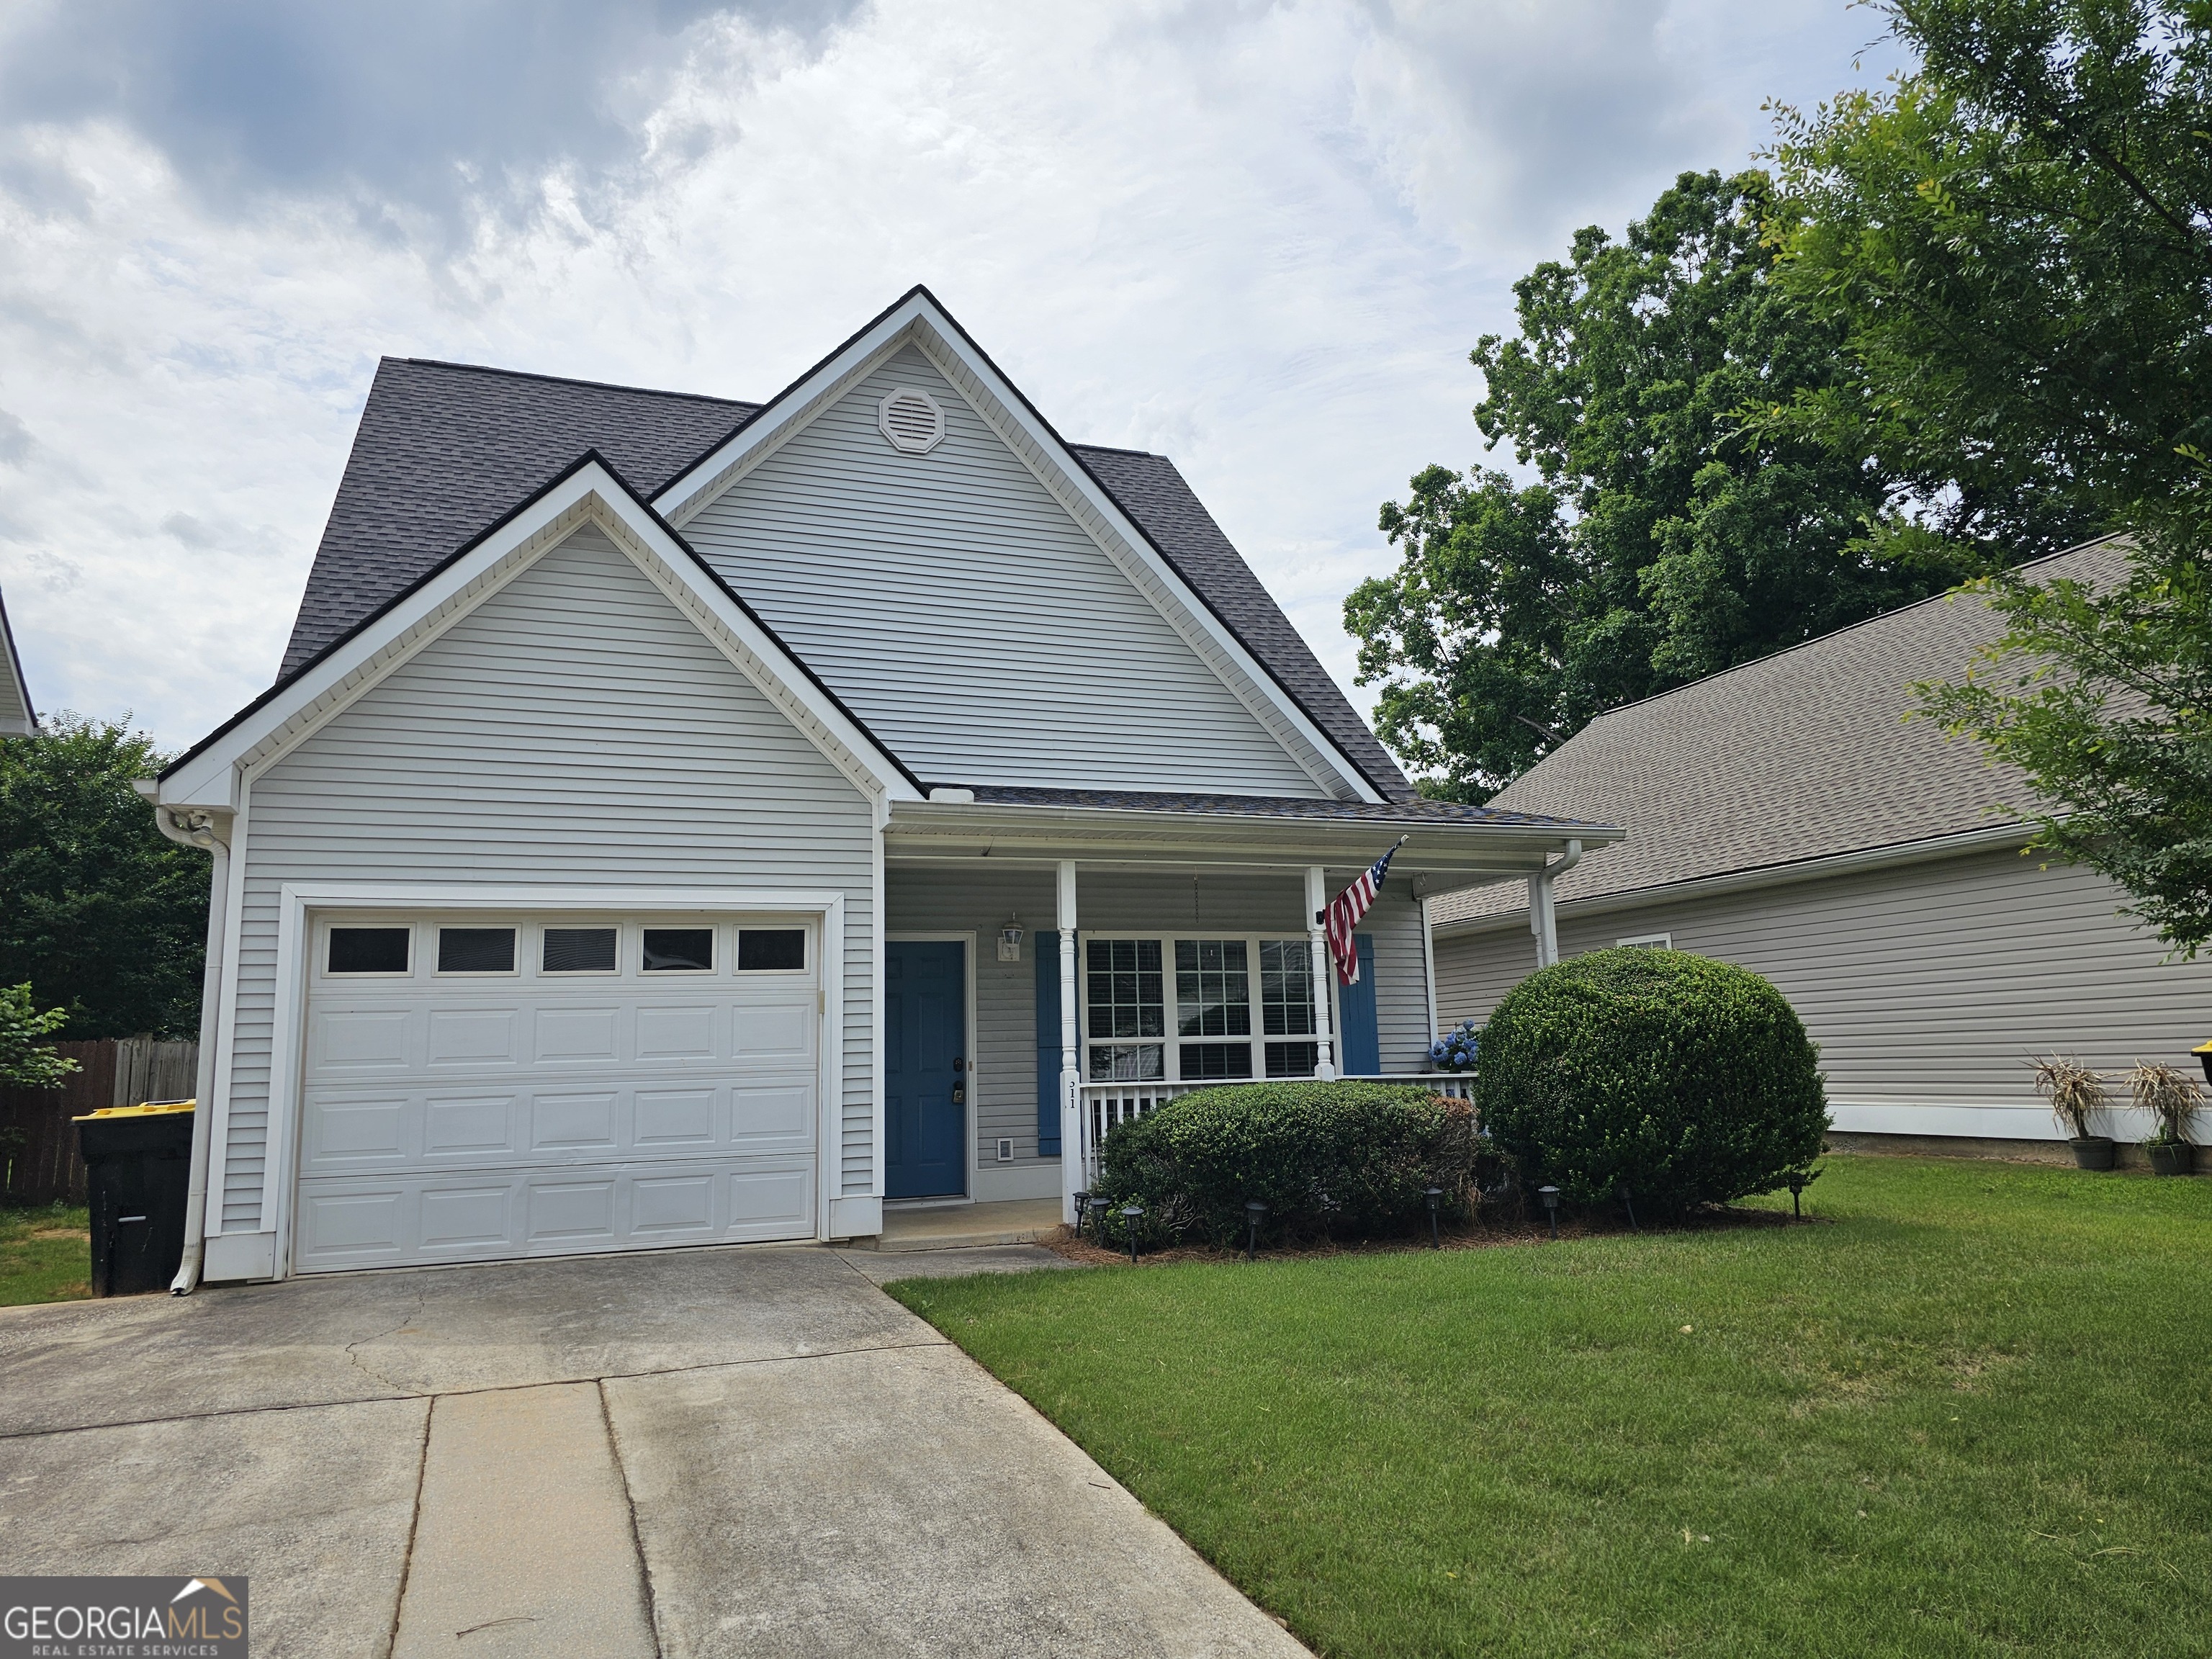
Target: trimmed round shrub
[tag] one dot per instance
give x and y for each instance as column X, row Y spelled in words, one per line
column 1681, row 1079
column 1373, row 1150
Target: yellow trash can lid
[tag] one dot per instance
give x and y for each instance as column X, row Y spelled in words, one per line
column 144, row 1109
column 2201, row 1048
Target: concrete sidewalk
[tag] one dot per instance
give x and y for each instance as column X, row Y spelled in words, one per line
column 678, row 1453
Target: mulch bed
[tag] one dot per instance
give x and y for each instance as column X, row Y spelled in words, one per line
column 1502, row 1231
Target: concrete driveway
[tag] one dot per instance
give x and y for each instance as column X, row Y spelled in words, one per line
column 734, row 1451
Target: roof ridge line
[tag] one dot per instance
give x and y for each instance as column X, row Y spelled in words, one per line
column 570, row 379
column 1833, row 634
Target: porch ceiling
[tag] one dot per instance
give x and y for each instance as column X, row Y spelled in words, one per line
column 1119, row 827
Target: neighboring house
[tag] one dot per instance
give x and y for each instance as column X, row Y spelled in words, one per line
column 17, row 718
column 1786, row 816
column 663, row 826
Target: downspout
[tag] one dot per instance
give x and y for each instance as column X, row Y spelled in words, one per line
column 194, row 827
column 1543, row 916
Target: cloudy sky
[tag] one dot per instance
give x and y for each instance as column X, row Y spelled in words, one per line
column 1259, row 238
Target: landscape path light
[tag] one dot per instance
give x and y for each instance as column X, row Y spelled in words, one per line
column 1254, row 1210
column 1130, row 1214
column 1082, row 1210
column 1434, row 1195
column 1628, row 1199
column 1550, row 1197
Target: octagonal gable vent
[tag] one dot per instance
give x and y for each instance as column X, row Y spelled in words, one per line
column 912, row 420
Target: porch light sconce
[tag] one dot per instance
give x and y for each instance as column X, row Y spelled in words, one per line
column 1131, row 1214
column 1436, row 1197
column 1550, row 1197
column 1254, row 1212
column 1010, row 939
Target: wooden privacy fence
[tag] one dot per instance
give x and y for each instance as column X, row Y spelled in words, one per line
column 38, row 1141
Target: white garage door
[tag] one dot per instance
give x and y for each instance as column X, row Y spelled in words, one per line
column 484, row 1086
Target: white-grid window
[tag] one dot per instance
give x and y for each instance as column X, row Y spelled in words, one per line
column 1197, row 1008
column 1650, row 941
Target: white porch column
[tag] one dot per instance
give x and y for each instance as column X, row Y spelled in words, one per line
column 1324, row 972
column 1073, row 1175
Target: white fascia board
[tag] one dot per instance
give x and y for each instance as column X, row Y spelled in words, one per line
column 919, row 319
column 210, row 777
column 1772, row 875
column 933, row 831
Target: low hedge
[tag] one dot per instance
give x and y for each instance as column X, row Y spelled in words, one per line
column 1372, row 1149
column 1679, row 1078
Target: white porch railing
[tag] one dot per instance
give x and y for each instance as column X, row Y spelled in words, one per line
column 1105, row 1104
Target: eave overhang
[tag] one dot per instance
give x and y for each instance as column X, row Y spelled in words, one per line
column 1452, row 853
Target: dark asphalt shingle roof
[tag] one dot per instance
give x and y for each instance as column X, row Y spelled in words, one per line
column 445, row 449
column 1412, row 811
column 1802, row 755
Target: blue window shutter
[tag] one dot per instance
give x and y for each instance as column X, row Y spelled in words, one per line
column 1362, row 1048
column 1048, row 1041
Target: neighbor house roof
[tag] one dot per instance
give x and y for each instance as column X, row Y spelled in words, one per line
column 1802, row 756
column 445, row 449
column 17, row 718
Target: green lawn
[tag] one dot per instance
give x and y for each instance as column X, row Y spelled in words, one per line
column 1968, row 1411
column 45, row 1256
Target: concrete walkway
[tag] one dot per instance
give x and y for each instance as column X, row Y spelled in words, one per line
column 740, row 1451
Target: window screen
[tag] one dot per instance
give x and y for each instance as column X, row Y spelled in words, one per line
column 1128, row 1062
column 768, row 949
column 1293, row 1059
column 369, row 950
column 579, row 951
column 1126, row 991
column 1202, row 1061
column 678, row 950
column 1286, row 1001
column 1214, row 990
column 476, row 949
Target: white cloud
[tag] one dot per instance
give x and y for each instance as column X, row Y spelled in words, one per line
column 1259, row 239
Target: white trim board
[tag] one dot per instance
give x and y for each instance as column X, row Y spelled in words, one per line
column 590, row 494
column 919, row 320
column 296, row 901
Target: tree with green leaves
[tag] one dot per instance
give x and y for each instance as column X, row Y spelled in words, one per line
column 2016, row 241
column 99, row 912
column 1663, row 537
column 26, row 1062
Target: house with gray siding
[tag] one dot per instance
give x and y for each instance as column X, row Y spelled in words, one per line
column 680, row 821
column 18, row 717
column 1787, row 816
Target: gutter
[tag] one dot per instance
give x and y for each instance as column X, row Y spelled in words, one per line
column 209, row 831
column 2014, row 835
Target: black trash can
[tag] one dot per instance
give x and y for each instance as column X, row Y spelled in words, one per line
column 139, row 1163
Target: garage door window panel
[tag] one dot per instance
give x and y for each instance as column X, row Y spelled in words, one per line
column 363, row 951
column 579, row 951
column 771, row 949
column 679, row 949
column 476, row 949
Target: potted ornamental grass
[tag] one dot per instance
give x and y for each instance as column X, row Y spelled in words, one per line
column 2078, row 1102
column 2172, row 1099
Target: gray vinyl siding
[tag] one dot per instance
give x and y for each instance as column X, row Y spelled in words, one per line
column 574, row 729
column 924, row 899
column 960, row 611
column 1924, row 984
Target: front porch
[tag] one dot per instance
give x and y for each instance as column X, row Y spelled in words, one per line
column 1056, row 965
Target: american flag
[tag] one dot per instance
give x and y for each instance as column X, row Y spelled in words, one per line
column 1345, row 910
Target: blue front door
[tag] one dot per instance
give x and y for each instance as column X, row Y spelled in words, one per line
column 925, row 1069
